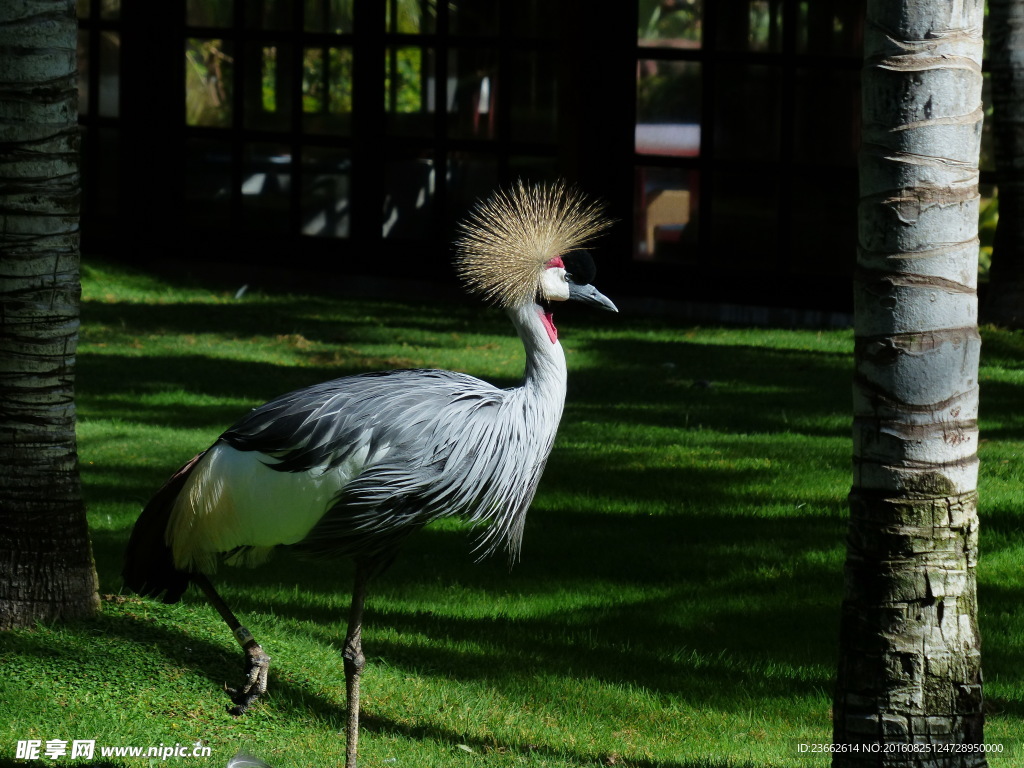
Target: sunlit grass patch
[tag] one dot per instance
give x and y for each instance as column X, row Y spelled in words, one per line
column 677, row 600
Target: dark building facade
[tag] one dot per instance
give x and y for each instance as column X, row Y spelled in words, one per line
column 346, row 137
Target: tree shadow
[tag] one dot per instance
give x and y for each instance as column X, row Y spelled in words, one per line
column 738, row 564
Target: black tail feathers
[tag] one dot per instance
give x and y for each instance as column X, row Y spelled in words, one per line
column 148, row 563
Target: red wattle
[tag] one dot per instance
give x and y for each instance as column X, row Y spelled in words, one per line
column 549, row 325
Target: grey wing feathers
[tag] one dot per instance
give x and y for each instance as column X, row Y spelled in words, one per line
column 447, row 444
column 322, row 425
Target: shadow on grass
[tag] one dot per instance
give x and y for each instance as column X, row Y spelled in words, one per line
column 682, row 604
column 149, row 637
column 700, row 602
column 327, row 320
column 732, row 613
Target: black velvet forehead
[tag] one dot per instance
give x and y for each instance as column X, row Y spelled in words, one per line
column 580, row 266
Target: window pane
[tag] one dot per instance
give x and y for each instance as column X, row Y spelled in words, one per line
column 827, row 116
column 988, row 221
column 327, row 90
column 987, row 161
column 410, row 17
column 675, row 24
column 472, row 88
column 471, row 176
column 476, row 18
column 532, row 168
column 752, row 90
column 668, row 108
column 409, row 198
column 209, row 13
column 532, row 19
column 334, row 16
column 268, row 14
column 108, row 161
column 82, row 8
column 266, row 181
column 409, row 90
column 83, row 72
column 209, row 66
column 533, row 97
column 750, row 25
column 268, row 87
column 815, row 218
column 744, row 217
column 110, row 9
column 831, row 27
column 666, row 214
column 110, row 74
column 325, row 192
column 207, row 182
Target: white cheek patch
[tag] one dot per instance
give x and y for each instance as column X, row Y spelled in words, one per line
column 553, row 284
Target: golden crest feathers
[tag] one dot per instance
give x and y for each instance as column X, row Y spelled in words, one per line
column 506, row 240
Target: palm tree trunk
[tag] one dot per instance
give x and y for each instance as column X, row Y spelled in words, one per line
column 46, row 566
column 1004, row 303
column 909, row 678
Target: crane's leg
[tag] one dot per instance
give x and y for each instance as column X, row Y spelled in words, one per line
column 354, row 662
column 257, row 663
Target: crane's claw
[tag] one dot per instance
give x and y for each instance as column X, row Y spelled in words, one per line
column 257, row 666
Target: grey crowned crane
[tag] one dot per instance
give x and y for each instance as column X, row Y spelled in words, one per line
column 353, row 466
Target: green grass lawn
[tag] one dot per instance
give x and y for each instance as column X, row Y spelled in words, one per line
column 677, row 600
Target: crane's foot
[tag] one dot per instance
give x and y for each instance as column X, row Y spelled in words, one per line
column 257, row 667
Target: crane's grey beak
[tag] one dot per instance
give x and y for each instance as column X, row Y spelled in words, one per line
column 588, row 294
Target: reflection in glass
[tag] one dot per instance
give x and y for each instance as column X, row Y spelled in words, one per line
column 751, row 25
column 815, row 219
column 744, row 216
column 409, row 198
column 532, row 19
column 668, row 99
column 207, row 182
column 408, row 90
column 208, row 77
column 472, row 90
column 475, row 18
column 752, row 90
column 410, row 17
column 334, row 16
column 988, row 222
column 268, row 14
column 665, row 209
column 471, row 177
column 83, row 72
column 670, row 24
column 826, row 124
column 268, row 86
column 107, row 194
column 326, row 210
column 987, row 161
column 830, row 27
column 110, row 9
column 533, row 168
column 209, row 13
column 110, row 74
column 266, row 181
column 269, row 69
column 533, row 97
column 327, row 90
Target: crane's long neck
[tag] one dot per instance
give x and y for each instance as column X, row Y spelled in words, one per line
column 545, row 359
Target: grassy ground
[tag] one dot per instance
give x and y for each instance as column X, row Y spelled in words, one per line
column 677, row 600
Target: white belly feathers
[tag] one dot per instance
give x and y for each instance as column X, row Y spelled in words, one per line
column 233, row 499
